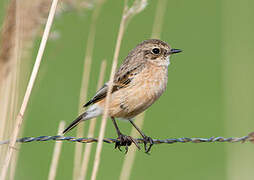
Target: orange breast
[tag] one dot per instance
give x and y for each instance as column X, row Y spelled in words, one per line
column 141, row 93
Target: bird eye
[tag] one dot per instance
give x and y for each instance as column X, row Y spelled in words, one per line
column 156, row 50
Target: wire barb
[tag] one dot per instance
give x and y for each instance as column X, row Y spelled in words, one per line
column 248, row 138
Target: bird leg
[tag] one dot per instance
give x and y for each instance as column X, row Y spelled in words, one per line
column 123, row 139
column 146, row 138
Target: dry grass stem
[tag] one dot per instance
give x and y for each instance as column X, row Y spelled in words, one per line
column 159, row 17
column 127, row 14
column 88, row 147
column 21, row 22
column 13, row 109
column 31, row 16
column 28, row 22
column 157, row 26
column 129, row 158
column 105, row 114
column 137, row 7
column 6, row 92
column 14, row 164
column 68, row 5
column 84, row 85
column 20, row 26
column 29, row 89
column 8, row 58
column 7, row 42
column 4, row 114
column 56, row 154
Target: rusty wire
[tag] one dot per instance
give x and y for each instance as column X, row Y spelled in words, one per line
column 248, row 138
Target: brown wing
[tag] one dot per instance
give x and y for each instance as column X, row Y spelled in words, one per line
column 132, row 65
column 119, row 82
column 100, row 94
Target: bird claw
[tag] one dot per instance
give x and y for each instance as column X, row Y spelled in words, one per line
column 125, row 141
column 146, row 141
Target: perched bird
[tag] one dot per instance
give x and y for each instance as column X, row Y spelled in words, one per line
column 138, row 83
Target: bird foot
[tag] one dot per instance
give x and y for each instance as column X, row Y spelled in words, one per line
column 146, row 141
column 125, row 141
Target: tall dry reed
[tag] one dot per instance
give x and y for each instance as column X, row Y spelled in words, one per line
column 84, row 84
column 15, row 39
column 7, row 42
column 88, row 147
column 128, row 13
column 22, row 24
column 56, row 153
column 9, row 57
column 7, row 61
column 19, row 118
column 156, row 31
column 130, row 157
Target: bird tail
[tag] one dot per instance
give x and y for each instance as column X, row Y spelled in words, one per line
column 75, row 123
column 92, row 112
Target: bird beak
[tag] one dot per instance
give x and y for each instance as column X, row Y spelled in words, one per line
column 174, row 51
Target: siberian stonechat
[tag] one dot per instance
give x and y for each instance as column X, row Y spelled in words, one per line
column 138, row 83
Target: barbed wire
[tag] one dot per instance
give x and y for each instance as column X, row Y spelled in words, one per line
column 248, row 138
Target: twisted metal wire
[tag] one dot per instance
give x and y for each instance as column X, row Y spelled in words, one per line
column 248, row 138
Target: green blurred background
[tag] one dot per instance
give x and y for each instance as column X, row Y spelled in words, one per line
column 210, row 90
